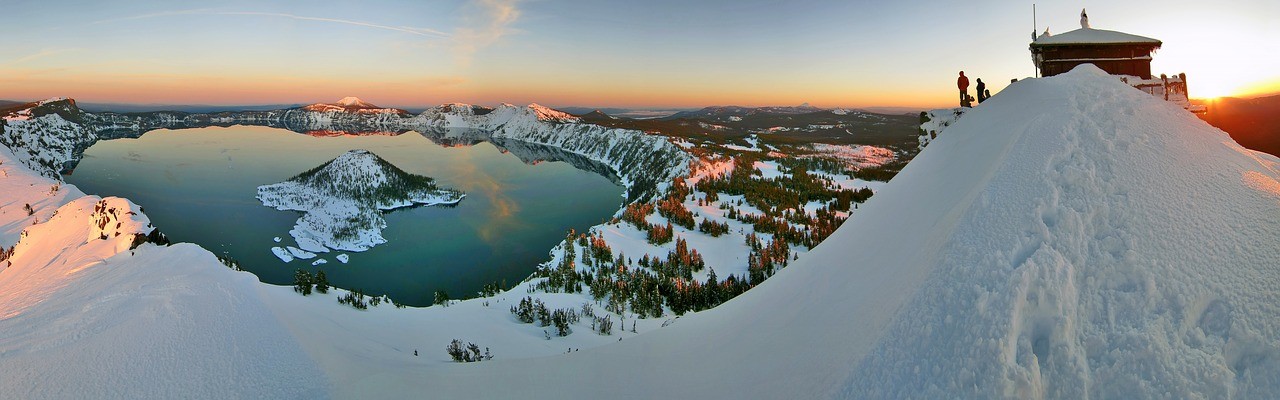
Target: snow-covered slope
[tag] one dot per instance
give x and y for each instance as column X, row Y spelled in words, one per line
column 937, row 121
column 646, row 163
column 1073, row 237
column 48, row 136
column 84, row 316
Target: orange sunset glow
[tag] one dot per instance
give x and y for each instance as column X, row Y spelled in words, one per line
column 520, row 52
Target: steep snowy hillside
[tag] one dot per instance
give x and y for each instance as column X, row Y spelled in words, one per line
column 342, row 202
column 646, row 163
column 935, row 121
column 84, row 313
column 1071, row 238
column 47, row 137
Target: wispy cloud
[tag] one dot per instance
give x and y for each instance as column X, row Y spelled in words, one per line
column 488, row 21
column 403, row 29
column 38, row 55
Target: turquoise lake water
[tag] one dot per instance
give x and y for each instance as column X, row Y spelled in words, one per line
column 198, row 186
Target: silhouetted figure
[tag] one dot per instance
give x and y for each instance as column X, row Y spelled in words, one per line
column 982, row 87
column 986, row 93
column 963, row 83
column 415, row 352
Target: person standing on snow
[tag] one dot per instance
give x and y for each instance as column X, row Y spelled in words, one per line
column 963, row 84
column 982, row 88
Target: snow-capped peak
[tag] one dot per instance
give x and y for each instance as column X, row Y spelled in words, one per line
column 53, row 100
column 353, row 104
column 550, row 114
column 352, row 101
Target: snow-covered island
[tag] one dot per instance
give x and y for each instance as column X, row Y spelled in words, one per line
column 342, row 201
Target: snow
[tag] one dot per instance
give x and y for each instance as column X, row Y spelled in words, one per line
column 337, row 213
column 94, row 319
column 319, row 261
column 740, row 148
column 1070, row 238
column 751, row 140
column 938, row 121
column 282, row 254
column 1092, row 36
column 548, row 114
column 617, row 148
column 856, row 156
column 343, row 258
column 1073, row 238
column 299, row 253
column 354, row 102
column 843, row 181
column 769, row 169
column 58, row 139
column 325, row 114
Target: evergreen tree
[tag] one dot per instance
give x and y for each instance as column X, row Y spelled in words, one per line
column 322, row 283
column 456, row 351
column 302, row 282
column 441, row 298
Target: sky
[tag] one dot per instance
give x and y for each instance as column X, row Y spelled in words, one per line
column 606, row 53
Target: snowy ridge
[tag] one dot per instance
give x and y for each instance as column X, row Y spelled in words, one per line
column 43, row 138
column 353, row 105
column 458, row 115
column 1118, row 250
column 342, row 202
column 938, row 120
column 646, row 163
column 1072, row 238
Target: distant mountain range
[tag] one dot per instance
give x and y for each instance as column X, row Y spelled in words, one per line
column 718, row 112
column 191, row 108
column 1254, row 123
column 782, row 124
column 641, row 113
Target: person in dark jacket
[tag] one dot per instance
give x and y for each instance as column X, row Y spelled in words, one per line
column 963, row 84
column 982, row 89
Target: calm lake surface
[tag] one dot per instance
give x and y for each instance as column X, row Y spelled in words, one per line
column 198, row 186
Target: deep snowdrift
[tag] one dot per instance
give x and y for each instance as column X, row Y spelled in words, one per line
column 1070, row 237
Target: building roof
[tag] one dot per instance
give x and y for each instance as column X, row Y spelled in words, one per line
column 1092, row 36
